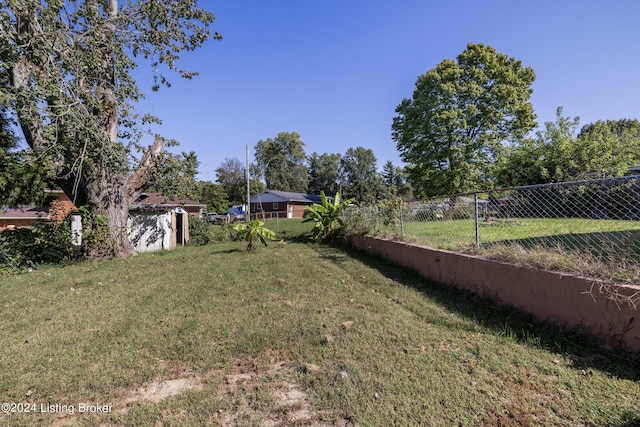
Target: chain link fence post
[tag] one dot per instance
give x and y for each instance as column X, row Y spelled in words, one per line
column 401, row 222
column 477, row 224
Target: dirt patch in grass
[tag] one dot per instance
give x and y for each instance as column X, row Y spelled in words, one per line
column 284, row 403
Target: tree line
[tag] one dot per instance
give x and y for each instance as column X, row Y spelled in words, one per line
column 468, row 127
column 281, row 163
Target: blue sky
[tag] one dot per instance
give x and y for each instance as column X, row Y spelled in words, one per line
column 335, row 70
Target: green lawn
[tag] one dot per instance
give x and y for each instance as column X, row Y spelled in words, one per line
column 456, row 234
column 294, row 334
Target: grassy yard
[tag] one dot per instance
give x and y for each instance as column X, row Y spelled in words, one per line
column 456, row 234
column 293, row 334
column 604, row 249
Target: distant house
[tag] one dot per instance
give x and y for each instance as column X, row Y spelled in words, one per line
column 281, row 204
column 24, row 217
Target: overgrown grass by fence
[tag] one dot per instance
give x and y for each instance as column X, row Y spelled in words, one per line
column 587, row 227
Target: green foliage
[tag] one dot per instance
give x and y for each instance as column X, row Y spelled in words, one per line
column 22, row 180
column 608, row 148
column 452, row 129
column 326, row 216
column 73, row 90
column 95, row 232
column 28, row 247
column 254, row 230
column 324, row 173
column 231, row 175
column 281, row 162
column 177, row 176
column 199, row 231
column 361, row 179
column 394, row 179
column 213, row 196
column 557, row 154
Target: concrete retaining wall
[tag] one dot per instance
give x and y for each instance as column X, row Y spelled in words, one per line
column 561, row 298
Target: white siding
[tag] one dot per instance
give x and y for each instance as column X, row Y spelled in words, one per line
column 150, row 232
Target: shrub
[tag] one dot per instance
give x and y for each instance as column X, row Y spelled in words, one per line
column 326, row 216
column 44, row 243
column 199, row 231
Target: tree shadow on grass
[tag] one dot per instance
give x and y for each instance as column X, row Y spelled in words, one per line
column 523, row 327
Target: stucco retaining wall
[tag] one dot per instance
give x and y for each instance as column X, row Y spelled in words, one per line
column 565, row 299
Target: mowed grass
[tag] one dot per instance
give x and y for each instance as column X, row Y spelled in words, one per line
column 603, row 249
column 458, row 234
column 366, row 343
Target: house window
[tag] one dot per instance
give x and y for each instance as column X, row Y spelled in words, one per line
column 275, row 206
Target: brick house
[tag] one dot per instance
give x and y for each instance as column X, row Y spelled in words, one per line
column 59, row 207
column 281, row 204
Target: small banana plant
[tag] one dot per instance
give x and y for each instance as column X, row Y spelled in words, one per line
column 326, row 215
column 254, row 230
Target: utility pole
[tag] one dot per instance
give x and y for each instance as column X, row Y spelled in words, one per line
column 248, row 188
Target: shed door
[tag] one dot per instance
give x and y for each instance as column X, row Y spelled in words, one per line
column 180, row 229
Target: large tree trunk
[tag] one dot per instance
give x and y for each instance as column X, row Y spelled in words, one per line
column 111, row 195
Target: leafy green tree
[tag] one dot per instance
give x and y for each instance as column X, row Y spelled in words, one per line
column 72, row 67
column 550, row 157
column 177, row 176
column 281, row 162
column 22, row 178
column 394, row 179
column 361, row 179
column 232, row 176
column 324, row 173
column 608, row 148
column 326, row 216
column 214, row 197
column 558, row 154
column 452, row 129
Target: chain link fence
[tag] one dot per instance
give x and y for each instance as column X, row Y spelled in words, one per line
column 588, row 227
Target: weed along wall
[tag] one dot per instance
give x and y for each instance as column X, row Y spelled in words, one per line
column 561, row 298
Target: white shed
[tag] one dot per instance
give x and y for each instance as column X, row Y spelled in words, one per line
column 157, row 229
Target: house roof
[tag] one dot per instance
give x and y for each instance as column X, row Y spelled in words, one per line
column 26, row 212
column 156, row 200
column 285, row 196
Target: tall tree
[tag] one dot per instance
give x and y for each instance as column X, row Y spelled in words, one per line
column 394, row 181
column 72, row 88
column 389, row 174
column 461, row 112
column 281, row 162
column 213, row 196
column 177, row 176
column 361, row 179
column 609, row 147
column 550, row 157
column 324, row 173
column 232, row 176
